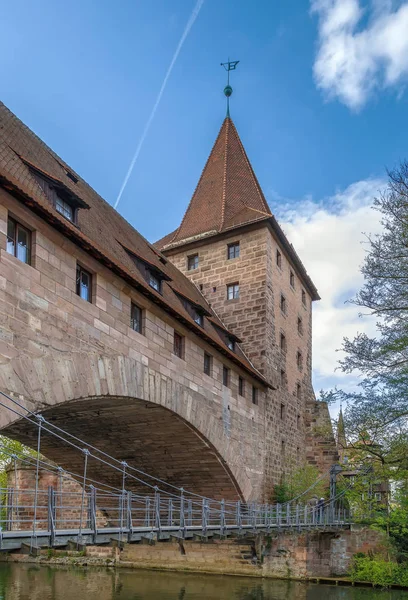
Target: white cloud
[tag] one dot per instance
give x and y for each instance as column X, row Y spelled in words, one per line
column 329, row 237
column 355, row 59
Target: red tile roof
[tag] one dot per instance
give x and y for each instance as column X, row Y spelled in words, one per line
column 228, row 196
column 100, row 229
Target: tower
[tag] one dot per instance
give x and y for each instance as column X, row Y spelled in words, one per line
column 231, row 246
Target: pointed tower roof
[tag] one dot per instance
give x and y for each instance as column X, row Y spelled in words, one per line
column 341, row 434
column 227, row 197
column 228, row 194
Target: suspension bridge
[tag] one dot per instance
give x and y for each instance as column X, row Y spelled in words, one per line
column 92, row 512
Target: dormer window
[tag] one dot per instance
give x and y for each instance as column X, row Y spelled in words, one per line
column 65, row 209
column 231, row 344
column 199, row 319
column 154, row 282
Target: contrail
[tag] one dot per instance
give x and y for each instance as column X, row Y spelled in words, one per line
column 186, row 31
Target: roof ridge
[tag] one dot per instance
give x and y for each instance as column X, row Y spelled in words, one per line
column 224, row 181
column 256, row 182
column 198, row 183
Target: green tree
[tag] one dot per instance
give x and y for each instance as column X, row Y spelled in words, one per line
column 297, row 482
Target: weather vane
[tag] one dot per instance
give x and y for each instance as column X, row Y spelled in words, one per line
column 231, row 65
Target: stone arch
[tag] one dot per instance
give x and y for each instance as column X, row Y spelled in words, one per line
column 146, row 436
column 66, row 385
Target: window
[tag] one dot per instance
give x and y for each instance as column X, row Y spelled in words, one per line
column 233, row 291
column 300, row 325
column 178, row 345
column 283, row 304
column 292, row 280
column 282, row 412
column 279, row 259
column 283, row 448
column 233, row 250
column 231, row 344
column 377, row 496
column 65, row 209
column 283, row 377
column 241, row 386
column 225, row 376
column 192, row 262
column 84, row 284
column 207, row 363
column 298, row 391
column 303, row 297
column 298, row 422
column 283, row 345
column 154, row 282
column 198, row 318
column 136, row 315
column 299, row 360
column 18, row 241
column 254, row 395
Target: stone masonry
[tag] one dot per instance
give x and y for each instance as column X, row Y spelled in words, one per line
column 83, row 366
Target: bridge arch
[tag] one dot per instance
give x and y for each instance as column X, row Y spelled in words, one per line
column 156, row 423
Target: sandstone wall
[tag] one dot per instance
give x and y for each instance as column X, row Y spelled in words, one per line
column 83, row 365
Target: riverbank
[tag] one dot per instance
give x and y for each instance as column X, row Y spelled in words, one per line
column 218, row 558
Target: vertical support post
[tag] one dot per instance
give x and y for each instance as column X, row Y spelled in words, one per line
column 129, row 522
column 182, row 517
column 298, row 517
column 92, row 512
column 170, row 513
column 33, row 542
column 334, row 472
column 51, row 515
column 122, row 499
column 157, row 525
column 204, row 516
column 147, row 512
column 239, row 516
column 190, row 513
column 86, row 454
column 278, row 516
column 222, row 517
column 288, row 522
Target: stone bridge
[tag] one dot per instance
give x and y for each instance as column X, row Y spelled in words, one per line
column 85, row 368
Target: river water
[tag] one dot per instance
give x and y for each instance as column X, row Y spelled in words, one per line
column 31, row 582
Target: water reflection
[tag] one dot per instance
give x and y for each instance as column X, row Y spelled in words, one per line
column 29, row 582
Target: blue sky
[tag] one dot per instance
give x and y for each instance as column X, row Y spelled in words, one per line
column 318, row 101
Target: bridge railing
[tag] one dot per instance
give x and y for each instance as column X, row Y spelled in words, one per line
column 97, row 510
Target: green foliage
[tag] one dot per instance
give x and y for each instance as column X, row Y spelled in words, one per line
column 378, row 571
column 296, row 482
column 8, row 447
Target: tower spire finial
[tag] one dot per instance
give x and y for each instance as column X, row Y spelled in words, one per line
column 229, row 66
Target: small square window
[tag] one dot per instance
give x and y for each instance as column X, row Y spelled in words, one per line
column 65, row 209
column 279, row 259
column 192, row 262
column 283, row 378
column 298, row 391
column 282, row 412
column 84, row 284
column 233, row 250
column 254, row 395
column 300, row 325
column 231, row 344
column 299, row 360
column 303, row 297
column 198, row 318
column 136, row 318
column 178, row 345
column 292, row 280
column 241, row 386
column 18, row 241
column 154, row 282
column 283, row 305
column 283, row 345
column 207, row 363
column 225, row 376
column 233, row 291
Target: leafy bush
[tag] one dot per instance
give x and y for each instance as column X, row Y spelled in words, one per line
column 378, row 571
